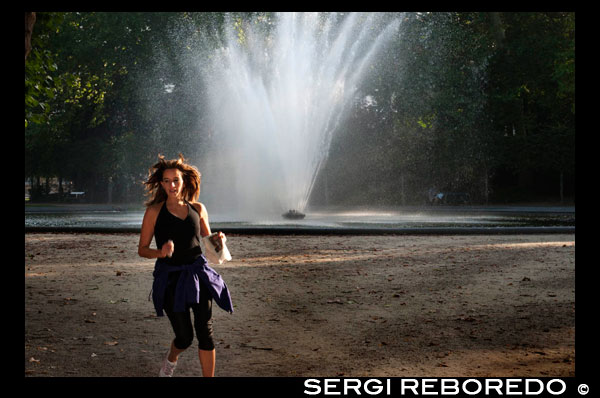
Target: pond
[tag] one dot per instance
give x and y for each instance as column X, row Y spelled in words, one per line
column 408, row 219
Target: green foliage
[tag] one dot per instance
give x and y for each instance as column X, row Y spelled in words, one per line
column 534, row 98
column 458, row 98
column 467, row 97
column 39, row 68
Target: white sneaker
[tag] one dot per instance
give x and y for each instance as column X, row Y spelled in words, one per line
column 167, row 369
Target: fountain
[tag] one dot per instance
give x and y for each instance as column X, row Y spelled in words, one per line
column 278, row 90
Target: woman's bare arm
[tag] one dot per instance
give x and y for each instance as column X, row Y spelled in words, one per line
column 204, row 223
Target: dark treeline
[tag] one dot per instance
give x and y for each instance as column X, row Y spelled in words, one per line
column 481, row 103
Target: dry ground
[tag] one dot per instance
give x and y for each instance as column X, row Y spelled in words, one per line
column 376, row 306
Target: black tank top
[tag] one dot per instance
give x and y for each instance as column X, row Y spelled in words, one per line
column 185, row 234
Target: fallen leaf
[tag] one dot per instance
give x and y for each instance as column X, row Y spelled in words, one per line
column 111, row 342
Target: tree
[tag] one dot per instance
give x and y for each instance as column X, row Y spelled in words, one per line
column 532, row 96
column 459, row 101
column 29, row 22
column 39, row 65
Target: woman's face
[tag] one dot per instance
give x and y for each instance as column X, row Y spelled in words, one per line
column 172, row 182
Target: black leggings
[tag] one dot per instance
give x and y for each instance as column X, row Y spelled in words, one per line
column 182, row 322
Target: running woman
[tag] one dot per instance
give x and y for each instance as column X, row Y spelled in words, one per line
column 183, row 281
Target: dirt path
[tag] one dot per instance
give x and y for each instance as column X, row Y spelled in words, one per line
column 372, row 306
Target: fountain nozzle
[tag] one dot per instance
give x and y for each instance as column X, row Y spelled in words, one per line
column 293, row 215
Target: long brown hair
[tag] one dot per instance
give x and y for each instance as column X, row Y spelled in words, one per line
column 191, row 180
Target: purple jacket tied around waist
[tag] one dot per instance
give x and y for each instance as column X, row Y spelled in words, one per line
column 194, row 277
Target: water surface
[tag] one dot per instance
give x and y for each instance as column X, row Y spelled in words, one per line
column 326, row 219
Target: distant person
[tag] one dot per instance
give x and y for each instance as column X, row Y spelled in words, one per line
column 431, row 195
column 439, row 198
column 182, row 278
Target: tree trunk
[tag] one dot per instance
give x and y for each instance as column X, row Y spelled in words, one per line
column 497, row 29
column 402, row 191
column 29, row 22
column 562, row 193
column 60, row 189
column 326, row 188
column 486, row 181
column 110, row 189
